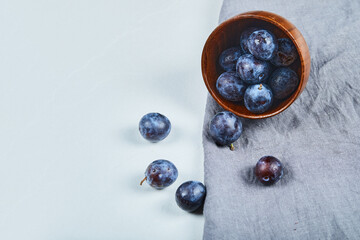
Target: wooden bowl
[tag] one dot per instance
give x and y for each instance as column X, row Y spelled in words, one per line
column 227, row 35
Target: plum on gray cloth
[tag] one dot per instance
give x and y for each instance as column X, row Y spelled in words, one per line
column 317, row 139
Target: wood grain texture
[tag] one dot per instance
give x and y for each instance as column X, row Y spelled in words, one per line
column 227, row 34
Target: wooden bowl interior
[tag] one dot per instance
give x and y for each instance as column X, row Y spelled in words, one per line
column 228, row 35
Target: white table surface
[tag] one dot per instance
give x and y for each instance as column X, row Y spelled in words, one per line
column 75, row 79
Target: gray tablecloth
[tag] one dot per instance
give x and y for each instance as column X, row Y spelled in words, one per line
column 317, row 138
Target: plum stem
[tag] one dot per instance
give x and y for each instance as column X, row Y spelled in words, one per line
column 260, row 87
column 232, row 147
column 143, row 181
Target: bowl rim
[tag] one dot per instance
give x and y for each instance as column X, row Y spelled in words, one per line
column 270, row 18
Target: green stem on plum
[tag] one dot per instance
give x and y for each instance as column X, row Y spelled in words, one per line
column 260, row 87
column 232, row 147
column 142, row 181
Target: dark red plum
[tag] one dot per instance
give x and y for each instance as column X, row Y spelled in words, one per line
column 230, row 86
column 244, row 37
column 154, row 127
column 190, row 196
column 258, row 98
column 283, row 82
column 286, row 53
column 160, row 174
column 268, row 170
column 262, row 44
column 228, row 58
column 252, row 70
column 225, row 128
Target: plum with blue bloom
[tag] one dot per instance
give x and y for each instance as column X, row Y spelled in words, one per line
column 154, row 127
column 244, row 37
column 262, row 44
column 225, row 128
column 190, row 196
column 286, row 53
column 228, row 58
column 258, row 98
column 283, row 82
column 160, row 174
column 252, row 70
column 230, row 86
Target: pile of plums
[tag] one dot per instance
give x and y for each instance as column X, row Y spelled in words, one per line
column 257, row 71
